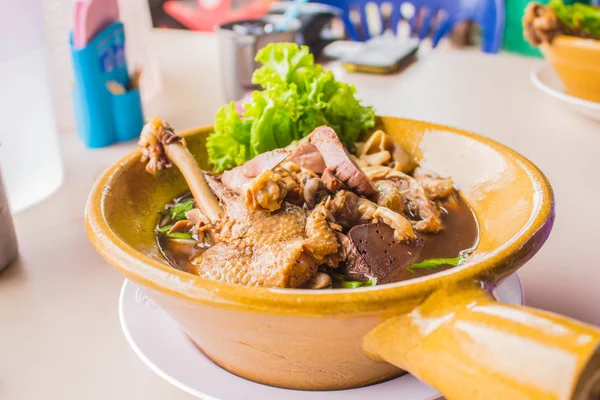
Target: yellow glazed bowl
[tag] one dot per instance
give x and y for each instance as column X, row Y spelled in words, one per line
column 577, row 63
column 444, row 328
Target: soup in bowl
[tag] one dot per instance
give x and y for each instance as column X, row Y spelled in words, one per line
column 444, row 327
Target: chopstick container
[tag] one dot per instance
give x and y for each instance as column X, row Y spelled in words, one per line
column 103, row 118
column 127, row 116
column 8, row 238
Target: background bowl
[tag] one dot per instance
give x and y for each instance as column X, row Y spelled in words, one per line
column 577, row 63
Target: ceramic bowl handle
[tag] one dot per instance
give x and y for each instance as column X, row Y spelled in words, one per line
column 468, row 346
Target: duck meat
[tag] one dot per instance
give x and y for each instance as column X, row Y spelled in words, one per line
column 278, row 249
column 235, row 178
column 307, row 156
column 338, row 159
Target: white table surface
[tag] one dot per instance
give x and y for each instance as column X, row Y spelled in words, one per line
column 59, row 330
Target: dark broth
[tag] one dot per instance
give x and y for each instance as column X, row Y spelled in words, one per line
column 179, row 253
column 458, row 238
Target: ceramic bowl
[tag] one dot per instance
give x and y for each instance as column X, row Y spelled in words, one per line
column 445, row 328
column 577, row 63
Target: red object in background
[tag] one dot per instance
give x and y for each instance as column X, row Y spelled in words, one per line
column 198, row 17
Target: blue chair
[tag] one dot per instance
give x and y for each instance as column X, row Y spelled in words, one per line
column 435, row 17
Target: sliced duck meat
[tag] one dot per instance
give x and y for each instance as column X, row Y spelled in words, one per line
column 389, row 196
column 307, row 156
column 436, row 187
column 349, row 210
column 230, row 201
column 375, row 253
column 235, row 178
column 338, row 160
column 330, row 181
column 254, row 248
column 334, row 260
column 265, row 192
column 417, row 204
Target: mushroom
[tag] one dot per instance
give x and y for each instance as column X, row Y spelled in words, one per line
column 161, row 147
column 320, row 281
column 314, row 191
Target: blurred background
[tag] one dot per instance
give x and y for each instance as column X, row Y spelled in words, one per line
column 41, row 29
column 467, row 66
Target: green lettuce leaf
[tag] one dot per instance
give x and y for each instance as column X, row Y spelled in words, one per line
column 580, row 19
column 229, row 145
column 298, row 96
column 284, row 63
column 273, row 115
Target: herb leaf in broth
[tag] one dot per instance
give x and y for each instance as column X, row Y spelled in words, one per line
column 351, row 284
column 164, row 229
column 435, row 263
column 370, row 282
column 179, row 235
column 347, row 283
column 178, row 211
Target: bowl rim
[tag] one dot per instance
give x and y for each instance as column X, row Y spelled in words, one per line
column 537, row 79
column 574, row 41
column 490, row 269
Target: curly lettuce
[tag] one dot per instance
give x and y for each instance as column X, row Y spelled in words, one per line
column 228, row 145
column 297, row 96
column 579, row 19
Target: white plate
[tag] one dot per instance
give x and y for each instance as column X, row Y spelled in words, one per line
column 545, row 79
column 163, row 347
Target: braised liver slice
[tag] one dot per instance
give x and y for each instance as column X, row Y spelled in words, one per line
column 374, row 253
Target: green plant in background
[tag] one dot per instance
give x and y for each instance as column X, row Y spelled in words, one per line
column 298, row 96
column 581, row 19
column 513, row 39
